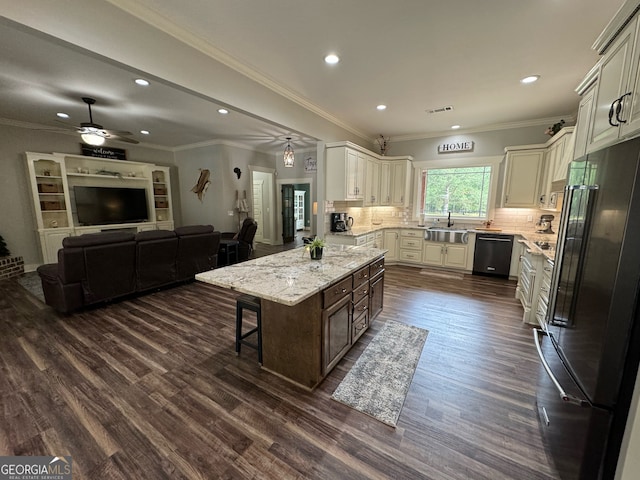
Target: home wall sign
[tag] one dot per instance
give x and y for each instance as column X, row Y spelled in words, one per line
column 103, row 152
column 459, row 146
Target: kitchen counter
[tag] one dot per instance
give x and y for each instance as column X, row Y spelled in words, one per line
column 528, row 237
column 291, row 277
column 313, row 311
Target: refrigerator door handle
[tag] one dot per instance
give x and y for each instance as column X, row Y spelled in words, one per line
column 563, row 395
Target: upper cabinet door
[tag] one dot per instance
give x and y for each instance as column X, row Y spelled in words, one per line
column 583, row 122
column 613, row 83
column 522, row 178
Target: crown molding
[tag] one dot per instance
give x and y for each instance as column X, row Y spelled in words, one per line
column 487, row 128
column 162, row 23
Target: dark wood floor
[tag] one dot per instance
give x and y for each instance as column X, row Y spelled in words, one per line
column 151, row 388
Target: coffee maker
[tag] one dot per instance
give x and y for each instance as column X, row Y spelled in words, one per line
column 338, row 222
column 544, row 224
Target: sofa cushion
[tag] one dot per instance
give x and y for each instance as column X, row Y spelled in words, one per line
column 154, row 235
column 193, row 230
column 156, row 259
column 100, row 238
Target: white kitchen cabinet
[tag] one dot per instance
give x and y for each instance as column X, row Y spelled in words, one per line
column 345, row 173
column 558, row 155
column 452, row 255
column 378, row 239
column 391, row 241
column 583, row 118
column 385, row 183
column 534, row 283
column 400, row 182
column 615, row 109
column 523, row 174
column 411, row 245
column 372, row 182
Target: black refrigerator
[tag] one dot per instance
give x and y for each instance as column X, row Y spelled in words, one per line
column 590, row 345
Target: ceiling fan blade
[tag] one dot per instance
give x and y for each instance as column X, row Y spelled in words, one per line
column 68, row 125
column 122, row 139
column 118, row 133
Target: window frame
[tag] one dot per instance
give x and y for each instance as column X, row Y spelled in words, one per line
column 420, row 166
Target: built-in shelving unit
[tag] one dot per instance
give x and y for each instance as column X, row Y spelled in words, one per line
column 53, row 177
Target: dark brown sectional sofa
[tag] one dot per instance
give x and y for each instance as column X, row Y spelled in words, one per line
column 100, row 267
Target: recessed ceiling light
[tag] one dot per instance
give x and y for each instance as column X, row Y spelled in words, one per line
column 332, row 59
column 62, row 115
column 381, row 107
column 144, row 132
column 142, row 82
column 223, row 111
column 530, row 79
column 455, row 127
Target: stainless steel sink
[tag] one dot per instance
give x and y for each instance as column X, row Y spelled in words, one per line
column 446, row 234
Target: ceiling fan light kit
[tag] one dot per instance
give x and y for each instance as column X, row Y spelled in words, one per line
column 92, row 138
column 94, row 134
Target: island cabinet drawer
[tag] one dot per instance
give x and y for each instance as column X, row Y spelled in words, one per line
column 359, row 326
column 362, row 306
column 376, row 268
column 361, row 276
column 412, row 243
column 360, row 291
column 335, row 292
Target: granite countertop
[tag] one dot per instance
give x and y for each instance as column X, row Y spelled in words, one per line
column 528, row 237
column 291, row 276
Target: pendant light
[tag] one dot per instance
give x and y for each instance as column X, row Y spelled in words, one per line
column 289, row 157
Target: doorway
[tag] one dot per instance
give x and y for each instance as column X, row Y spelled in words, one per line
column 287, row 221
column 288, row 213
column 299, row 209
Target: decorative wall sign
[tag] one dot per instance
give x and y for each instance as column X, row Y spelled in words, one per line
column 310, row 162
column 459, row 146
column 103, row 152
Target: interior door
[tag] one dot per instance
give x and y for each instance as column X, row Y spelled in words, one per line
column 288, row 213
column 258, row 187
column 299, row 209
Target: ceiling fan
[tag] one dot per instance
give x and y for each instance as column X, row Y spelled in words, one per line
column 95, row 134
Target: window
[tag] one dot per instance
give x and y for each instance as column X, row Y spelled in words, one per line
column 463, row 191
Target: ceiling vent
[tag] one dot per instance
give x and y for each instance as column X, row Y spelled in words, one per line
column 448, row 108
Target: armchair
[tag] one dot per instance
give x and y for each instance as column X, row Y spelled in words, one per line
column 244, row 237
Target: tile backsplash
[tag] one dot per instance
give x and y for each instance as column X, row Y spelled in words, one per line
column 516, row 219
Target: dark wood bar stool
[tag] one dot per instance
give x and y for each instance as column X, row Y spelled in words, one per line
column 247, row 302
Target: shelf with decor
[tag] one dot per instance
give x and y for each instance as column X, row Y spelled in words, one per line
column 162, row 196
column 57, row 179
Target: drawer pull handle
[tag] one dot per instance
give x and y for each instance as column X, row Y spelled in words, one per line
column 337, row 292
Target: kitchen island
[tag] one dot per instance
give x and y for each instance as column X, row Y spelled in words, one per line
column 313, row 311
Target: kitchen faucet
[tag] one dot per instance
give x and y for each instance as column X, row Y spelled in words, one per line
column 449, row 221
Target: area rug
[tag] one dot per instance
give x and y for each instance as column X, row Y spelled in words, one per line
column 379, row 381
column 31, row 282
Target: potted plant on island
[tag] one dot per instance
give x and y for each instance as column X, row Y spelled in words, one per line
column 315, row 248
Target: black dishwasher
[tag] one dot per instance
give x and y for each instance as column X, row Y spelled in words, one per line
column 492, row 254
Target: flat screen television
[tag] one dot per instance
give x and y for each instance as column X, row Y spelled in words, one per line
column 110, row 205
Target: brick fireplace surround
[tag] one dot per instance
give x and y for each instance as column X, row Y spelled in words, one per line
column 11, row 267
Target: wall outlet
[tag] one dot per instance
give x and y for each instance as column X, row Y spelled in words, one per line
column 230, row 213
column 529, row 218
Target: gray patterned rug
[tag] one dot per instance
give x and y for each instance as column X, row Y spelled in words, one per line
column 379, row 381
column 31, row 281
